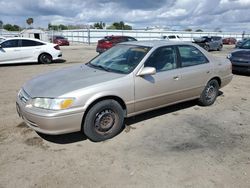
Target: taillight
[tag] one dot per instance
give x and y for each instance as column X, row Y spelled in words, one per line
column 57, row 47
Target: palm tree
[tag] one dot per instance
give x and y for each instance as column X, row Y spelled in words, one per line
column 30, row 21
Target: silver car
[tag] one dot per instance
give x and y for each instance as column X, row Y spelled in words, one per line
column 128, row 79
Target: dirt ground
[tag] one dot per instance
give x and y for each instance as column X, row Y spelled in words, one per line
column 184, row 145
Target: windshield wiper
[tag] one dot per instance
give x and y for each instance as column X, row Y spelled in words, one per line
column 100, row 67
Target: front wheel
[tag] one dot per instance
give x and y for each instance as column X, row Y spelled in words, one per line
column 207, row 48
column 45, row 59
column 210, row 93
column 104, row 120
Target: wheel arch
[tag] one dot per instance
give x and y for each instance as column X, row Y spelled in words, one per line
column 217, row 78
column 108, row 97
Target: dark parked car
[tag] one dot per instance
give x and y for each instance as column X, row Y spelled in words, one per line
column 240, row 58
column 110, row 41
column 240, row 42
column 60, row 40
column 209, row 43
column 229, row 40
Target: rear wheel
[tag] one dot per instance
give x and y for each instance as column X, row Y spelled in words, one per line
column 104, row 120
column 210, row 93
column 206, row 47
column 45, row 58
column 220, row 48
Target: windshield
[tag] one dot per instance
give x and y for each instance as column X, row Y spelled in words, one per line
column 120, row 58
column 245, row 45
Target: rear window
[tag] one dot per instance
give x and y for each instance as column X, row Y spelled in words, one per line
column 171, row 36
column 59, row 37
column 27, row 43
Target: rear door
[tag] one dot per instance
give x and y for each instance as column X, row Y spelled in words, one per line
column 195, row 71
column 30, row 50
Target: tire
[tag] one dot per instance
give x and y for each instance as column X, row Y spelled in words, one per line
column 104, row 120
column 210, row 93
column 206, row 47
column 220, row 48
column 45, row 59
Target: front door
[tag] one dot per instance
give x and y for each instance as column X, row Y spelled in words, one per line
column 10, row 51
column 152, row 91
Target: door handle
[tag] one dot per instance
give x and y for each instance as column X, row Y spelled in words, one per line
column 176, row 77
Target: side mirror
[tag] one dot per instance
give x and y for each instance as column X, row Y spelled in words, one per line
column 147, row 71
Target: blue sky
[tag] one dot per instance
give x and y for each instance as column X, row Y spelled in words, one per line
column 228, row 15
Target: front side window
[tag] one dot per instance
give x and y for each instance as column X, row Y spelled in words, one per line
column 10, row 44
column 191, row 56
column 162, row 59
column 120, row 58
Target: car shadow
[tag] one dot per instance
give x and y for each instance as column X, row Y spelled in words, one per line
column 241, row 73
column 79, row 136
column 64, row 138
column 22, row 64
column 159, row 112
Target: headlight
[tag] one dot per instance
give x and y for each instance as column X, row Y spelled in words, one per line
column 50, row 103
column 229, row 56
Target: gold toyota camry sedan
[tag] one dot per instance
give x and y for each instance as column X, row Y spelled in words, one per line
column 128, row 79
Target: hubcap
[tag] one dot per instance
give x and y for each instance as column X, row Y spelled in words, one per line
column 104, row 121
column 45, row 59
column 210, row 92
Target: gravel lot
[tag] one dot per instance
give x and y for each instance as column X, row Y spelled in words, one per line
column 184, row 145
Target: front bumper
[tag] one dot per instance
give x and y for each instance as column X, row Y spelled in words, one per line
column 49, row 122
column 243, row 69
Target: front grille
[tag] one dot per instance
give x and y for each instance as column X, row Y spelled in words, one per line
column 23, row 96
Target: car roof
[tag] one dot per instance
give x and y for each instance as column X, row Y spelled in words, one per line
column 117, row 36
column 157, row 43
column 24, row 38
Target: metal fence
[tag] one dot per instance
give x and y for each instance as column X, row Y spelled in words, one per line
column 93, row 35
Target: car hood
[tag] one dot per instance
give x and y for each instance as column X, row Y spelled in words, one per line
column 241, row 53
column 60, row 82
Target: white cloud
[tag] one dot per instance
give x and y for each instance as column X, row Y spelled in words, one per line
column 181, row 14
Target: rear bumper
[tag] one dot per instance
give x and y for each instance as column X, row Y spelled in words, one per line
column 243, row 67
column 57, row 56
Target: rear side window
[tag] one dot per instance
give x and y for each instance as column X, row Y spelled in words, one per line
column 171, row 36
column 10, row 44
column 27, row 43
column 131, row 39
column 191, row 56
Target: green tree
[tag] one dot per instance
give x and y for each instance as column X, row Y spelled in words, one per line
column 198, row 30
column 188, row 29
column 99, row 25
column 1, row 24
column 10, row 27
column 16, row 28
column 120, row 26
column 62, row 27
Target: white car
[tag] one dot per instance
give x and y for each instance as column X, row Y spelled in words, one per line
column 27, row 50
column 172, row 37
column 2, row 39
